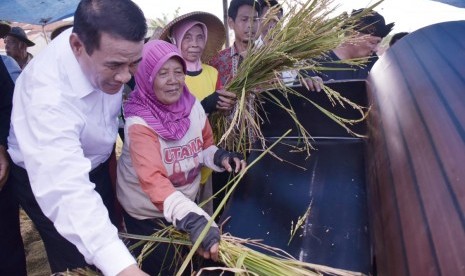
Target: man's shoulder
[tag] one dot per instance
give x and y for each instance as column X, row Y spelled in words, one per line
column 9, row 62
column 223, row 54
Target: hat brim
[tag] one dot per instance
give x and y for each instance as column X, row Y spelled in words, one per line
column 4, row 29
column 216, row 32
column 25, row 40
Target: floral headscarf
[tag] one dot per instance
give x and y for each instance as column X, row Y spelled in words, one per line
column 171, row 122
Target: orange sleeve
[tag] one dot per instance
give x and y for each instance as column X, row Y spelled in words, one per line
column 146, row 157
column 207, row 135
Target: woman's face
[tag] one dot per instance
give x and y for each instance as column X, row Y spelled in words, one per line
column 169, row 82
column 193, row 44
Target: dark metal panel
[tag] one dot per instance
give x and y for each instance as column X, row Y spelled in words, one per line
column 274, row 193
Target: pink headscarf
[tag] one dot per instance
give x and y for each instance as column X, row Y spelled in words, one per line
column 179, row 31
column 171, row 122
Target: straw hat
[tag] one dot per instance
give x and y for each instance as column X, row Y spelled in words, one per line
column 4, row 29
column 216, row 33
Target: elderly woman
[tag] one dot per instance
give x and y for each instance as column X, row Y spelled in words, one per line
column 167, row 130
column 197, row 43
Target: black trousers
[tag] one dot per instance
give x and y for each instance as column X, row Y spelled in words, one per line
column 61, row 253
column 12, row 258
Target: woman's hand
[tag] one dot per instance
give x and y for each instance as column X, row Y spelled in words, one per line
column 220, row 100
column 210, row 254
column 230, row 161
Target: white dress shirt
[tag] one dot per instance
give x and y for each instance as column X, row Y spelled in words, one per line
column 62, row 128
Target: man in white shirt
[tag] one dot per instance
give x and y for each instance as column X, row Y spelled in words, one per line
column 64, row 125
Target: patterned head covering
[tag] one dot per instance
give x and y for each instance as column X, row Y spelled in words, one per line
column 179, row 31
column 171, row 122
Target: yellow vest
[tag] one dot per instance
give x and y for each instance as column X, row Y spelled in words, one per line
column 201, row 86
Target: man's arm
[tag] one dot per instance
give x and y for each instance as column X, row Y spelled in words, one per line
column 49, row 138
column 6, row 97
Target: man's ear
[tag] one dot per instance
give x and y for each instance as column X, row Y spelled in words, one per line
column 76, row 44
column 230, row 23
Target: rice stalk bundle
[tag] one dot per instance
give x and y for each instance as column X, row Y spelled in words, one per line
column 239, row 256
column 306, row 32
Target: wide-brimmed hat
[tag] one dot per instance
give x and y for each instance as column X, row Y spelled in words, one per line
column 4, row 29
column 216, row 32
column 372, row 23
column 20, row 34
column 58, row 30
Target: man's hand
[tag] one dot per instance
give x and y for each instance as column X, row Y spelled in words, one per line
column 132, row 270
column 314, row 83
column 226, row 100
column 4, row 166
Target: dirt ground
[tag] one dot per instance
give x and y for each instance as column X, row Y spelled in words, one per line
column 36, row 258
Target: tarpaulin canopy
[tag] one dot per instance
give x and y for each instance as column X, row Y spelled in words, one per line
column 38, row 12
column 456, row 3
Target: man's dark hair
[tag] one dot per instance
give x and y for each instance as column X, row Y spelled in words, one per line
column 236, row 4
column 396, row 37
column 269, row 4
column 118, row 18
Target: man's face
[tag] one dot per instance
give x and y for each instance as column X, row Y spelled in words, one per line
column 193, row 43
column 245, row 25
column 365, row 45
column 14, row 47
column 110, row 66
column 269, row 21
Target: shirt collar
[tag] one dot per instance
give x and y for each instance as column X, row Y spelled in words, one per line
column 79, row 83
column 234, row 50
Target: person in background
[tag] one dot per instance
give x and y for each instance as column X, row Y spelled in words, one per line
column 166, row 130
column 63, row 129
column 396, row 37
column 268, row 23
column 197, row 43
column 13, row 260
column 244, row 21
column 16, row 44
column 369, row 30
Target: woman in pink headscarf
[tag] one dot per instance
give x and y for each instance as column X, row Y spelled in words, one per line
column 165, row 125
column 197, row 43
